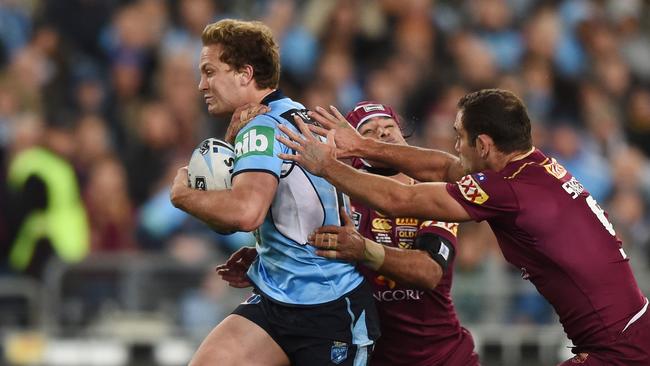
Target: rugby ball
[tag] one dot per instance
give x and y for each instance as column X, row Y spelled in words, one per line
column 211, row 165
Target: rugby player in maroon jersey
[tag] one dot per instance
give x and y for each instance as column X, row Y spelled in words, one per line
column 546, row 223
column 418, row 321
column 412, row 287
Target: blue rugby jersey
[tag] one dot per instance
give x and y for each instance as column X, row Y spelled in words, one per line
column 286, row 269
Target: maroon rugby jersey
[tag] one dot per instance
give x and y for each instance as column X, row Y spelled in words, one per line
column 418, row 327
column 548, row 225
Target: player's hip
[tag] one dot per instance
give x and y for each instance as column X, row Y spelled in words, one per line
column 630, row 348
column 340, row 330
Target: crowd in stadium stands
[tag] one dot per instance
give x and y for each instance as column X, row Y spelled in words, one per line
column 109, row 88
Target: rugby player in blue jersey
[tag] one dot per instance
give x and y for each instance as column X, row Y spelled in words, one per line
column 306, row 309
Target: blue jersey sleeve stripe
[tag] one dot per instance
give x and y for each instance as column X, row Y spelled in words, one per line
column 256, row 170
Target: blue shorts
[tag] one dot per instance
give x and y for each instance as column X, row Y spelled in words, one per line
column 341, row 332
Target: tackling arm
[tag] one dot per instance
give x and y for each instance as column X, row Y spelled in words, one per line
column 424, row 200
column 422, row 164
column 241, row 208
column 411, row 267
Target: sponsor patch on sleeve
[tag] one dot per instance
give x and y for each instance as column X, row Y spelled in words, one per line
column 471, row 190
column 555, row 169
column 258, row 140
column 452, row 227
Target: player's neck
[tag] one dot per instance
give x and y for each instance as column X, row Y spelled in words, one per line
column 258, row 95
column 500, row 160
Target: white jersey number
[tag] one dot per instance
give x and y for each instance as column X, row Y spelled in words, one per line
column 600, row 214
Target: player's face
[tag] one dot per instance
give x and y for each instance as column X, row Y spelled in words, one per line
column 218, row 82
column 469, row 156
column 383, row 129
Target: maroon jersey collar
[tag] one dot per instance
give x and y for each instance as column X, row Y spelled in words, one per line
column 534, row 156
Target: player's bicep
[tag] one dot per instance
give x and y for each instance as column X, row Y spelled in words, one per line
column 432, row 200
column 255, row 192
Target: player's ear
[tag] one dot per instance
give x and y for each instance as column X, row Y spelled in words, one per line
column 484, row 145
column 245, row 75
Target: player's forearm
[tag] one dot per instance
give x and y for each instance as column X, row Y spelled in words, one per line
column 221, row 210
column 380, row 193
column 408, row 267
column 422, row 164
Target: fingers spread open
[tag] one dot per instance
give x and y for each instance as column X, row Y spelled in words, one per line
column 290, row 144
column 330, row 138
column 320, row 131
column 330, row 117
column 302, row 127
column 322, row 119
column 292, row 135
column 339, row 116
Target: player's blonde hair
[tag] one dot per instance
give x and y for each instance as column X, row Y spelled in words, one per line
column 246, row 43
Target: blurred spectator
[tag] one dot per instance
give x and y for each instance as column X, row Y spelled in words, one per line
column 149, row 156
column 493, row 19
column 578, row 157
column 48, row 218
column 337, row 69
column 437, row 132
column 537, row 76
column 112, row 225
column 631, row 171
column 476, row 66
column 80, row 22
column 634, row 42
column 628, row 210
column 638, row 119
column 92, row 143
column 184, row 36
column 298, row 46
column 602, row 118
column 201, row 309
column 15, row 25
column 177, row 88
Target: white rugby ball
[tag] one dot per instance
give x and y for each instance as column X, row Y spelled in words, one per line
column 211, row 165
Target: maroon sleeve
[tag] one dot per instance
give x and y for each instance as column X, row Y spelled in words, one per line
column 447, row 230
column 484, row 195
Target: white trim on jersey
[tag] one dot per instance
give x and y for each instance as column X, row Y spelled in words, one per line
column 637, row 315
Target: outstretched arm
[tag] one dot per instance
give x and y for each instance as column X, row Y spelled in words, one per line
column 409, row 267
column 426, row 200
column 241, row 208
column 422, row 164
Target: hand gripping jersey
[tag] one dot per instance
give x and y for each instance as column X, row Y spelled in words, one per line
column 418, row 327
column 287, row 270
column 549, row 226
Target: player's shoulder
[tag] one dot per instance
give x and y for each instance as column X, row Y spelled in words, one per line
column 480, row 181
column 531, row 166
column 485, row 188
column 257, row 137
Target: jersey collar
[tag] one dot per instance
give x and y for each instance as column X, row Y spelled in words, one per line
column 272, row 97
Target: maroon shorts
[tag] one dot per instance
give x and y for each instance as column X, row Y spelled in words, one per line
column 464, row 355
column 392, row 352
column 632, row 348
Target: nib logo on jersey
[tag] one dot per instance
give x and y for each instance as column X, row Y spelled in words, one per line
column 257, row 140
